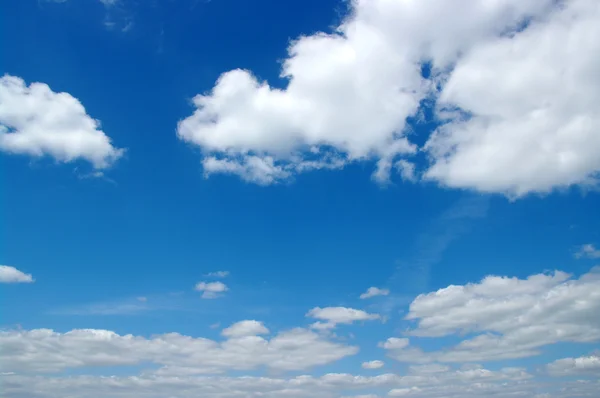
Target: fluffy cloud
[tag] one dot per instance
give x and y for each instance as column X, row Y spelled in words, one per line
column 47, row 351
column 211, row 290
column 336, row 315
column 374, row 291
column 589, row 365
column 245, row 328
column 587, row 251
column 506, row 127
column 10, row 274
column 532, row 103
column 372, row 364
column 36, row 121
column 511, row 317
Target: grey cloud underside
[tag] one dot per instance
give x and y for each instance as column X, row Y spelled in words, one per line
column 523, row 71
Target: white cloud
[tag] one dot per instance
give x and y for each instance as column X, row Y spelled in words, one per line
column 452, row 384
column 10, row 274
column 211, row 290
column 372, row 364
column 348, row 95
column 395, row 343
column 46, row 351
column 218, row 274
column 511, row 317
column 533, row 100
column 245, row 328
column 36, row 121
column 589, row 365
column 338, row 315
column 374, row 291
column 587, row 251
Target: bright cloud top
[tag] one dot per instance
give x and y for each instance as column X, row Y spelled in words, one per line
column 508, row 128
column 211, row 290
column 511, row 317
column 523, row 315
column 36, row 121
column 10, row 274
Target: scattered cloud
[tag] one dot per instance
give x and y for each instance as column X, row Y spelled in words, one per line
column 211, row 290
column 218, row 274
column 501, row 383
column 372, row 365
column 36, row 121
column 587, row 251
column 374, row 291
column 338, row 315
column 10, row 274
column 510, row 317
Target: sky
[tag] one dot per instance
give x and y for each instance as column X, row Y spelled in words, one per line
column 317, row 198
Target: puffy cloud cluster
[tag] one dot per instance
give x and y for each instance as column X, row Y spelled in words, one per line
column 47, row 351
column 511, row 317
column 514, row 81
column 36, row 121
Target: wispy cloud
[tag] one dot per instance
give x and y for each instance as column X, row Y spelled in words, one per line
column 413, row 274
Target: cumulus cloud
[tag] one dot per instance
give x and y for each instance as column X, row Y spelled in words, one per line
column 245, row 328
column 374, row 291
column 211, row 290
column 372, row 364
column 333, row 316
column 588, row 365
column 510, row 317
column 532, row 103
column 505, row 127
column 36, row 121
column 587, row 251
column 47, row 351
column 10, row 274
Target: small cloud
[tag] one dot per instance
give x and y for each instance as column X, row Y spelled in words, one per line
column 372, row 365
column 142, row 299
column 374, row 291
column 333, row 316
column 215, row 325
column 217, row 274
column 587, row 251
column 10, row 274
column 211, row 290
column 245, row 328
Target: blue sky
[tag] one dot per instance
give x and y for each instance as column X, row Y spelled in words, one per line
column 221, row 170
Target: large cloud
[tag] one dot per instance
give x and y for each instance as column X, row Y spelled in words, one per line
column 533, row 100
column 523, row 71
column 43, row 350
column 511, row 317
column 36, row 121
